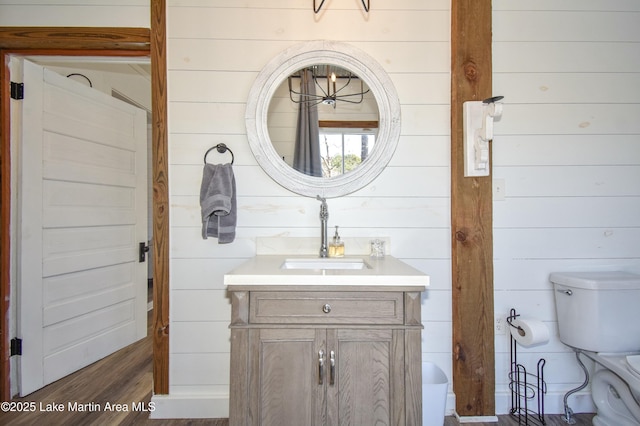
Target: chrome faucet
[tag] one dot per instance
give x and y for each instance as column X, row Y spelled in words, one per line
column 324, row 217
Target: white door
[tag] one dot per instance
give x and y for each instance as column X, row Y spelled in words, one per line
column 82, row 212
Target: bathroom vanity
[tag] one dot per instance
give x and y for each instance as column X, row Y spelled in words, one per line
column 325, row 342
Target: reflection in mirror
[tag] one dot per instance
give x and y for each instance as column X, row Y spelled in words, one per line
column 381, row 119
column 344, row 149
column 323, row 120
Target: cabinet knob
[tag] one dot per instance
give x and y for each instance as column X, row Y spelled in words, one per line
column 326, row 308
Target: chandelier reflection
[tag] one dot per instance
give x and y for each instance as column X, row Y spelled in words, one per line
column 334, row 85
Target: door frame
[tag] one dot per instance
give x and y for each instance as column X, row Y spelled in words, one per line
column 95, row 41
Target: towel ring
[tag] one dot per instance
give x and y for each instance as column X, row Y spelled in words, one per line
column 222, row 148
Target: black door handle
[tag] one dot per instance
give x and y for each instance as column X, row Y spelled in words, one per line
column 143, row 248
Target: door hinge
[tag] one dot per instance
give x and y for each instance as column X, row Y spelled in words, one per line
column 16, row 346
column 142, row 252
column 17, row 90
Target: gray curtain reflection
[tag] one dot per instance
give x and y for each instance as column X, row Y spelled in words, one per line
column 306, row 155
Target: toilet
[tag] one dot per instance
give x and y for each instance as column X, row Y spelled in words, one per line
column 599, row 316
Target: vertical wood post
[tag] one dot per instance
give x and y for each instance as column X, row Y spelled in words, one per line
column 160, row 198
column 471, row 219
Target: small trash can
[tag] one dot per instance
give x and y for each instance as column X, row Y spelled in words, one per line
column 434, row 394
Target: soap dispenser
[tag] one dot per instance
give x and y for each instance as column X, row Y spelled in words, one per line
column 336, row 246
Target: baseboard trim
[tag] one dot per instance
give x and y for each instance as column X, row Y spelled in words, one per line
column 451, row 411
column 189, row 407
column 477, row 419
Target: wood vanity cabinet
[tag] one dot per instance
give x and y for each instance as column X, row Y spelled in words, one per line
column 347, row 355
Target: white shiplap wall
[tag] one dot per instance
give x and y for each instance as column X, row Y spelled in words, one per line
column 568, row 149
column 216, row 50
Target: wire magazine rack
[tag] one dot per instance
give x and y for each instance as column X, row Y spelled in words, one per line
column 527, row 389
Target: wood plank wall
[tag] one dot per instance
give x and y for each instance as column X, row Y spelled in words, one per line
column 471, row 218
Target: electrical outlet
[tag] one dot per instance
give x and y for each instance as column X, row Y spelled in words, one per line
column 498, row 189
column 501, row 325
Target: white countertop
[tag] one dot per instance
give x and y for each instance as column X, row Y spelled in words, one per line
column 266, row 270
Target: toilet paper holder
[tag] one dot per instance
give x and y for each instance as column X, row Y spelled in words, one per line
column 524, row 386
column 510, row 319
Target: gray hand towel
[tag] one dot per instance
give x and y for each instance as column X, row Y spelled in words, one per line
column 218, row 203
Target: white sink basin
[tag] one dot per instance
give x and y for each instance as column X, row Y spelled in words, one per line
column 324, row 263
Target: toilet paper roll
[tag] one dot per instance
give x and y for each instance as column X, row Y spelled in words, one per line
column 529, row 331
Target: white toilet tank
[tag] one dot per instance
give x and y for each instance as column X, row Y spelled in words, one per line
column 598, row 311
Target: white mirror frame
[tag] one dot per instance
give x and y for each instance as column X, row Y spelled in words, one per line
column 304, row 55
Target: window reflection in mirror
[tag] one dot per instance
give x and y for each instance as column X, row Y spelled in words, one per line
column 340, row 114
column 344, row 149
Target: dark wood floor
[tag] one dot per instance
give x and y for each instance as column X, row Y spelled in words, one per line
column 125, row 378
column 507, row 420
column 122, row 378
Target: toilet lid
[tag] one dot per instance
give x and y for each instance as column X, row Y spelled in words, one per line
column 634, row 363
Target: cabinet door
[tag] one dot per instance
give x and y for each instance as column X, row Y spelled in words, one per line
column 291, row 388
column 368, row 386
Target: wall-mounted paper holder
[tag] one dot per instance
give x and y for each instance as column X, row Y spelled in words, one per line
column 478, row 117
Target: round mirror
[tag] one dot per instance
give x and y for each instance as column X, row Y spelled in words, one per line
column 323, row 118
